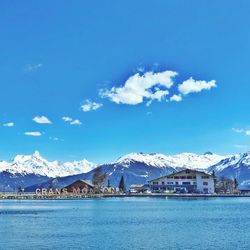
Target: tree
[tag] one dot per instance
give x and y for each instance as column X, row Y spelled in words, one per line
column 98, row 179
column 20, row 189
column 236, row 185
column 225, row 185
column 122, row 186
column 50, row 185
column 109, row 185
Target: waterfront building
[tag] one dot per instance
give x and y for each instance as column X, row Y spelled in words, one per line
column 79, row 186
column 184, row 181
column 245, row 189
column 138, row 188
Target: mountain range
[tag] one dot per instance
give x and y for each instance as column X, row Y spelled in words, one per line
column 32, row 171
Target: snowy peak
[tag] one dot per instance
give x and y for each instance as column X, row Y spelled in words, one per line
column 236, row 166
column 158, row 160
column 241, row 160
column 36, row 164
column 184, row 160
column 82, row 166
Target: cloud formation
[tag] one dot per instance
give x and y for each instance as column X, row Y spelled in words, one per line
column 75, row 122
column 193, row 86
column 42, row 120
column 33, row 67
column 9, row 124
column 176, row 98
column 89, row 106
column 240, row 130
column 137, row 88
column 71, row 121
column 67, row 119
column 150, row 86
column 52, row 138
column 33, row 133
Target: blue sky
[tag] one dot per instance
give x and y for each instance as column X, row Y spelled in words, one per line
column 58, row 56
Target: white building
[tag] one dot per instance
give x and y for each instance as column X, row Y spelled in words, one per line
column 185, row 181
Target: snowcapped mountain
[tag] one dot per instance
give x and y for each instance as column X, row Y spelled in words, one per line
column 37, row 165
column 184, row 160
column 139, row 168
column 3, row 165
column 32, row 170
column 236, row 166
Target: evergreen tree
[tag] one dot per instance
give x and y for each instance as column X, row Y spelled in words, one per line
column 109, row 185
column 236, row 184
column 122, row 186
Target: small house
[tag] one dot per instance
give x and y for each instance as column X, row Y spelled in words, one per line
column 79, row 187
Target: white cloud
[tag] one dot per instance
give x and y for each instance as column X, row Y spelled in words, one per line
column 140, row 69
column 9, row 124
column 89, row 105
column 176, row 98
column 33, row 67
column 71, row 121
column 33, row 133
column 55, row 138
column 150, row 86
column 76, row 122
column 240, row 130
column 193, row 86
column 67, row 119
column 42, row 120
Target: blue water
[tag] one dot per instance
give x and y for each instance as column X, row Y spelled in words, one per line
column 126, row 223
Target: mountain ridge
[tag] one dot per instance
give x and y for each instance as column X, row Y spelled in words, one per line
column 135, row 167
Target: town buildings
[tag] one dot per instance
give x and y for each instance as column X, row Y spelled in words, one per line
column 185, row 181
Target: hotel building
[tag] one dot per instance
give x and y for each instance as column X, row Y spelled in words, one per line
column 185, row 181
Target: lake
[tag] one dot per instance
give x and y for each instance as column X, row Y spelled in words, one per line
column 126, row 223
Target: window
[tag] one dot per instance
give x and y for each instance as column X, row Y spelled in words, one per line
column 194, row 183
column 189, row 177
column 187, row 171
column 176, row 183
column 185, row 183
column 205, row 183
column 194, row 177
column 176, row 177
column 183, row 177
column 162, row 183
column 155, row 182
column 205, row 177
column 170, row 183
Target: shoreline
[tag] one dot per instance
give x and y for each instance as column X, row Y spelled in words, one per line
column 28, row 196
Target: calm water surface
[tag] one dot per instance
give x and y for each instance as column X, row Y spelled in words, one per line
column 126, row 223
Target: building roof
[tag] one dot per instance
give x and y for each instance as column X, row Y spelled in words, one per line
column 136, row 185
column 84, row 181
column 178, row 172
